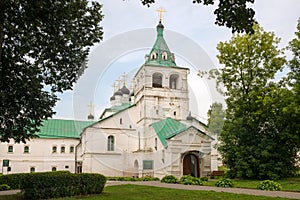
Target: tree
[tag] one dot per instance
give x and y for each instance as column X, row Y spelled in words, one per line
column 43, row 48
column 216, row 117
column 232, row 14
column 258, row 139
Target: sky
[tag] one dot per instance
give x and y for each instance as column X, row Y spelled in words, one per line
column 130, row 31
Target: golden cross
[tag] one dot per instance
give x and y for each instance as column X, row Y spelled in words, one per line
column 91, row 106
column 124, row 78
column 118, row 82
column 160, row 10
column 114, row 86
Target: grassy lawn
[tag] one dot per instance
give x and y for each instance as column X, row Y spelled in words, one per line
column 135, row 192
column 288, row 184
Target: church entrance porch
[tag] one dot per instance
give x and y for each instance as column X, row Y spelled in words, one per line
column 191, row 165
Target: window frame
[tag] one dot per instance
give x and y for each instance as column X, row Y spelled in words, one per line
column 10, row 149
column 173, row 81
column 72, row 149
column 26, row 149
column 157, row 80
column 62, row 149
column 54, row 147
column 110, row 143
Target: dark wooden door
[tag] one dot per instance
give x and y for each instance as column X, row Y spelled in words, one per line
column 191, row 165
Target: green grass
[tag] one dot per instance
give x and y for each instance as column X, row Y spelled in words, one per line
column 135, row 192
column 288, row 184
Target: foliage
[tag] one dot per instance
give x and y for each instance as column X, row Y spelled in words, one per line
column 13, row 180
column 4, row 187
column 52, row 184
column 269, row 185
column 216, row 117
column 224, row 182
column 232, row 14
column 169, row 179
column 43, row 50
column 190, row 180
column 204, row 178
column 259, row 137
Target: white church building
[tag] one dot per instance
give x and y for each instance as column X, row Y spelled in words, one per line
column 146, row 131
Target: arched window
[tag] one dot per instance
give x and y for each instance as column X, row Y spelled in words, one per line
column 26, row 149
column 164, row 56
column 110, row 143
column 54, row 169
column 157, row 80
column 173, row 81
column 153, row 55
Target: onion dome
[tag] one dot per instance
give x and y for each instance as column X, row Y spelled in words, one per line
column 90, row 117
column 125, row 90
column 112, row 98
column 119, row 92
column 189, row 117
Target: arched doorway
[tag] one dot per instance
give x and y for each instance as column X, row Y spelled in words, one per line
column 191, row 165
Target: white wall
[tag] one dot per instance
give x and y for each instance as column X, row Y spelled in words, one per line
column 40, row 155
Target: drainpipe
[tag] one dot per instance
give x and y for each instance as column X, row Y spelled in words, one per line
column 76, row 165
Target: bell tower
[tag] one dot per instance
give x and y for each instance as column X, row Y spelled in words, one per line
column 161, row 88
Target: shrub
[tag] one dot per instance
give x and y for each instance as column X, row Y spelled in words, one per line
column 269, row 185
column 54, row 184
column 190, row 180
column 13, row 180
column 4, row 187
column 204, row 178
column 224, row 182
column 169, row 179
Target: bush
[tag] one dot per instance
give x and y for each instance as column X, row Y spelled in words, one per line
column 4, row 187
column 169, row 179
column 204, row 178
column 224, row 182
column 55, row 184
column 269, row 185
column 190, row 180
column 13, row 180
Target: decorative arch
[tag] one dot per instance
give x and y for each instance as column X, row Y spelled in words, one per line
column 157, row 80
column 164, row 56
column 153, row 55
column 191, row 164
column 136, row 168
column 110, row 143
column 173, row 81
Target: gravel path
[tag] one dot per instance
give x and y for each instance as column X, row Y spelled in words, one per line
column 292, row 195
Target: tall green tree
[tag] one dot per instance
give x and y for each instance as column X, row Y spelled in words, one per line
column 258, row 138
column 232, row 14
column 43, row 48
column 216, row 117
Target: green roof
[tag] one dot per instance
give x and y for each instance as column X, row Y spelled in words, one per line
column 115, row 109
column 168, row 128
column 160, row 46
column 60, row 128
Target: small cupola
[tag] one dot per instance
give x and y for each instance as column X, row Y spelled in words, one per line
column 125, row 90
column 160, row 53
